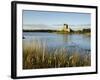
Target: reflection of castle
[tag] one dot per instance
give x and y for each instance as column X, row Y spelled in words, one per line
column 65, row 28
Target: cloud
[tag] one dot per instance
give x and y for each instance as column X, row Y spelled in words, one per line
column 37, row 27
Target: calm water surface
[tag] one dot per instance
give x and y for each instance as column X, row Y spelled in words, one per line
column 72, row 42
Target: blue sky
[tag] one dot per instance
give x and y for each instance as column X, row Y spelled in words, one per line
column 43, row 19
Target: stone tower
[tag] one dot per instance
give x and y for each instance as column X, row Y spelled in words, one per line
column 66, row 28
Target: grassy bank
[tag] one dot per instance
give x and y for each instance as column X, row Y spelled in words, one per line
column 37, row 55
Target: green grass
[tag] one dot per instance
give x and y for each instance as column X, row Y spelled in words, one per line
column 37, row 55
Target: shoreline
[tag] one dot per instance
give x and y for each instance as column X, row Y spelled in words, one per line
column 58, row 32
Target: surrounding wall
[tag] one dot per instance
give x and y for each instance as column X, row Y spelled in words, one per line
column 5, row 40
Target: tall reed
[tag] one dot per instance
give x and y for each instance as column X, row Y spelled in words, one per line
column 37, row 55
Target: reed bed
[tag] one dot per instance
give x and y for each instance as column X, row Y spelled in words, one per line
column 37, row 55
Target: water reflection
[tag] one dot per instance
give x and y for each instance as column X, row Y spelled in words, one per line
column 72, row 42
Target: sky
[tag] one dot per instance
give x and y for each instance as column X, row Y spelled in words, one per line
column 53, row 20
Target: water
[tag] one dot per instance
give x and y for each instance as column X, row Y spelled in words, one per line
column 72, row 42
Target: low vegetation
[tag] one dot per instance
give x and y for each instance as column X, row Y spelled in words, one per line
column 38, row 55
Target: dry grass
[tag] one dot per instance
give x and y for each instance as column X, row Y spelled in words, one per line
column 37, row 55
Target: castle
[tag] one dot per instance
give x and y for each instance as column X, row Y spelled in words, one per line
column 65, row 28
